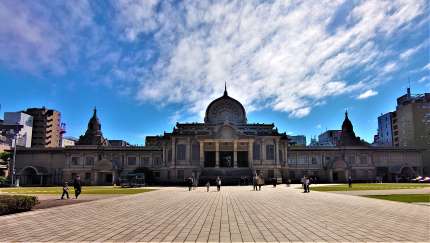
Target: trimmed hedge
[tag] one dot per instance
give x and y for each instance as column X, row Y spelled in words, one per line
column 16, row 203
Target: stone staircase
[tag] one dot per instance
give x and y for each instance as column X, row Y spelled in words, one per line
column 229, row 176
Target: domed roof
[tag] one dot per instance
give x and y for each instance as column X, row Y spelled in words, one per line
column 225, row 109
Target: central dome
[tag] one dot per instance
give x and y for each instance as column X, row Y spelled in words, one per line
column 225, row 109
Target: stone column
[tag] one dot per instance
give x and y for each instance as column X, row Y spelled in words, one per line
column 235, row 153
column 217, row 154
column 250, row 153
column 173, row 152
column 202, row 154
column 188, row 151
column 263, row 152
column 277, row 153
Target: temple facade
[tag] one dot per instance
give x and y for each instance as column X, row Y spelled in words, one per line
column 224, row 145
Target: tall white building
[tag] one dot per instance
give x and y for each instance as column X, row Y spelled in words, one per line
column 25, row 134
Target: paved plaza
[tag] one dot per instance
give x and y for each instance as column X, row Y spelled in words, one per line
column 234, row 214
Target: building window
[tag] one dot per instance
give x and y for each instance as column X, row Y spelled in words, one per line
column 146, row 161
column 180, row 151
column 352, row 159
column 270, row 152
column 87, row 176
column 270, row 174
column 132, row 161
column 89, row 161
column 75, row 160
column 169, row 155
column 180, row 175
column 157, row 160
column 195, row 152
column 363, row 159
column 292, row 158
column 256, row 151
column 314, row 160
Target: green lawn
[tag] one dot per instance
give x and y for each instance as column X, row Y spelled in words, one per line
column 409, row 198
column 85, row 190
column 369, row 186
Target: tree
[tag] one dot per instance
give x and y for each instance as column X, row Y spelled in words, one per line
column 5, row 157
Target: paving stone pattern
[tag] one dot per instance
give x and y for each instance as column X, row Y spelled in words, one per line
column 234, row 214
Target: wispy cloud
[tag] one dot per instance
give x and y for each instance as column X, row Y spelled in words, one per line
column 367, row 94
column 285, row 56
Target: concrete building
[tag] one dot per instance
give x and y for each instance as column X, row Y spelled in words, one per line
column 411, row 124
column 224, row 145
column 68, row 141
column 25, row 134
column 47, row 130
column 298, row 140
column 329, row 138
column 385, row 130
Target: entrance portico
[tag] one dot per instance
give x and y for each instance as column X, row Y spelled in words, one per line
column 228, row 153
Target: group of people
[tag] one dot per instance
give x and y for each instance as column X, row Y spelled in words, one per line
column 257, row 181
column 217, row 182
column 192, row 183
column 77, row 185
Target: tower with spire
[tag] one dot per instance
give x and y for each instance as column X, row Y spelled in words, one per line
column 93, row 135
column 348, row 137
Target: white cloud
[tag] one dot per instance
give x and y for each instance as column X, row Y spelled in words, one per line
column 390, row 67
column 424, row 79
column 427, row 67
column 36, row 39
column 278, row 55
column 282, row 55
column 409, row 52
column 367, row 94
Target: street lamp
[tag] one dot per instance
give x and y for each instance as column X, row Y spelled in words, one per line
column 14, row 158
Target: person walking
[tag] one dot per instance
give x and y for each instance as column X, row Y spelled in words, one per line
column 260, row 181
column 65, row 190
column 307, row 184
column 274, row 182
column 349, row 182
column 208, row 185
column 255, row 181
column 77, row 186
column 190, row 183
column 218, row 183
column 288, row 182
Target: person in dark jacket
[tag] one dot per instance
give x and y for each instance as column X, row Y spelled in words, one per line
column 77, row 186
column 349, row 182
column 65, row 190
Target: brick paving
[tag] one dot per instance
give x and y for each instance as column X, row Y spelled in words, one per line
column 234, row 214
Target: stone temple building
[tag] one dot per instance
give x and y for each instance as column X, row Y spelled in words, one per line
column 224, row 145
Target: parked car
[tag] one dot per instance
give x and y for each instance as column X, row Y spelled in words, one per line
column 132, row 180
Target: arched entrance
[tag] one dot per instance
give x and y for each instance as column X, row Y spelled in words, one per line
column 407, row 173
column 30, row 176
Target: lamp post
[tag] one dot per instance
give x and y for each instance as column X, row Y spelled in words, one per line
column 14, row 159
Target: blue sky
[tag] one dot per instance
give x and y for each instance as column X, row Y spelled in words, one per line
column 147, row 64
